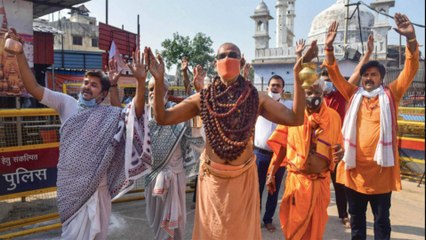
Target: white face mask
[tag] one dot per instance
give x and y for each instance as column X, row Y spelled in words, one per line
column 275, row 96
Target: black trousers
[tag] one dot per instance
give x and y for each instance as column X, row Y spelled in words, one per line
column 339, row 191
column 380, row 205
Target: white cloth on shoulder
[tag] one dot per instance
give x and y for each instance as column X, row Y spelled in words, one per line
column 384, row 155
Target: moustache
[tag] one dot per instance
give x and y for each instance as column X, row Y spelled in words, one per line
column 369, row 82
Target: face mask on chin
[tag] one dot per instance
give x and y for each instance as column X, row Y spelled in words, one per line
column 84, row 104
column 313, row 103
column 228, row 68
column 275, row 96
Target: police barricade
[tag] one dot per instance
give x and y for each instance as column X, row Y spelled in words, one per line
column 29, row 152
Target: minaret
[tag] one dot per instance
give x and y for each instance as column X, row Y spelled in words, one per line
column 261, row 19
column 381, row 27
column 291, row 14
column 281, row 27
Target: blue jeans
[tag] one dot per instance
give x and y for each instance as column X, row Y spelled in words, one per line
column 380, row 205
column 262, row 161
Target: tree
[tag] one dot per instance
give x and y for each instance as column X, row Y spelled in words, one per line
column 198, row 50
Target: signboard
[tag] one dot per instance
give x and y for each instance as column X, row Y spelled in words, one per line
column 19, row 15
column 28, row 168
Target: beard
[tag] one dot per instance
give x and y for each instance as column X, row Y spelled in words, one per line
column 151, row 100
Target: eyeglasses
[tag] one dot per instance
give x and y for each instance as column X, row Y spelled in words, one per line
column 221, row 56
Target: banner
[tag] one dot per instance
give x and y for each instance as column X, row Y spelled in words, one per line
column 28, row 169
column 19, row 15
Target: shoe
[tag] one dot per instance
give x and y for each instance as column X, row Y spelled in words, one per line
column 271, row 228
column 346, row 222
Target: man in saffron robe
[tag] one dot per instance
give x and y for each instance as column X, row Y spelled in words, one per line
column 103, row 148
column 227, row 205
column 370, row 168
column 311, row 151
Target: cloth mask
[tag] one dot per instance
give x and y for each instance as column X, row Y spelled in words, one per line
column 83, row 104
column 275, row 96
column 313, row 103
column 228, row 68
column 329, row 87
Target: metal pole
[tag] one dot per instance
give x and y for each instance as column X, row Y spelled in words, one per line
column 139, row 34
column 345, row 38
column 360, row 29
column 18, row 122
column 106, row 12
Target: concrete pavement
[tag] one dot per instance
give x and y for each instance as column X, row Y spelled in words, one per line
column 128, row 220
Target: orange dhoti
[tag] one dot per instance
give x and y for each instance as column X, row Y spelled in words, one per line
column 303, row 211
column 228, row 205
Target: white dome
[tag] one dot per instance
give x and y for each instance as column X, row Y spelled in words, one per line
column 337, row 12
column 261, row 8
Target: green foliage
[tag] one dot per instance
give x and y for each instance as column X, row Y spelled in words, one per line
column 198, row 50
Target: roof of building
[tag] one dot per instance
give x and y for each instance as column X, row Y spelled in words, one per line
column 41, row 8
column 39, row 25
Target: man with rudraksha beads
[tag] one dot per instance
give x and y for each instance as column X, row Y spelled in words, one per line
column 227, row 205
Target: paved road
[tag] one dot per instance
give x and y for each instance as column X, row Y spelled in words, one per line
column 128, row 220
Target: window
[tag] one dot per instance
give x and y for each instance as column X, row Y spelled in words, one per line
column 77, row 40
column 94, row 42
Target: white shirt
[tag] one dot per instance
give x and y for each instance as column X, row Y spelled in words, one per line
column 264, row 128
column 64, row 104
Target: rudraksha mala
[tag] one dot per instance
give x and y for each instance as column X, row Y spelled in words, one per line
column 229, row 115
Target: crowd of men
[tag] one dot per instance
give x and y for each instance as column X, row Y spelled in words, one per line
column 333, row 130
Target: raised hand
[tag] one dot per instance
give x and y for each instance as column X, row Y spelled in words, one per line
column 300, row 46
column 242, row 61
column 155, row 65
column 184, row 66
column 370, row 43
column 199, row 76
column 112, row 72
column 331, row 34
column 13, row 48
column 137, row 67
column 246, row 71
column 404, row 26
column 312, row 52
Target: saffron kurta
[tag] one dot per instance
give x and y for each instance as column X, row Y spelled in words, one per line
column 368, row 177
column 303, row 211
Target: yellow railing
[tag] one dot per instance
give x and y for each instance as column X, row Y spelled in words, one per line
column 411, row 110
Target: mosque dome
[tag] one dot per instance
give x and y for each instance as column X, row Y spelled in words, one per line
column 261, row 9
column 337, row 11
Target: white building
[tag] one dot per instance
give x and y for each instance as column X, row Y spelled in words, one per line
column 280, row 59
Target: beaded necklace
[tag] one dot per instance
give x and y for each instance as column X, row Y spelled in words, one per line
column 229, row 115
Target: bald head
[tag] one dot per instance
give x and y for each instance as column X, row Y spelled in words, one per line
column 228, row 47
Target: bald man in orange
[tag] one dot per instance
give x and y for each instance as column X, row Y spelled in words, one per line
column 309, row 152
column 370, row 168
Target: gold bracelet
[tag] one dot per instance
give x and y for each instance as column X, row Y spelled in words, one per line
column 412, row 40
